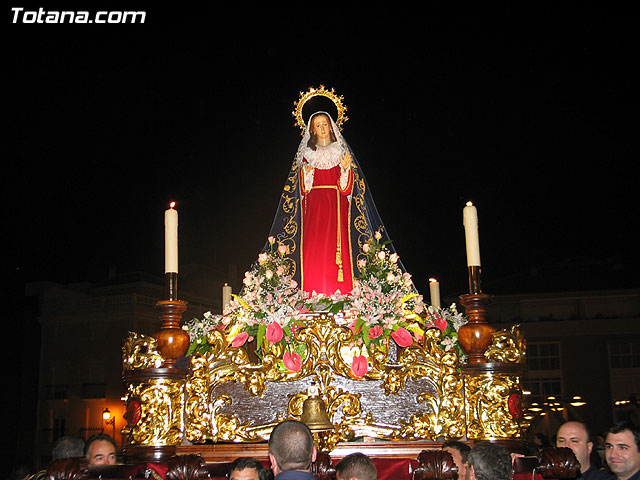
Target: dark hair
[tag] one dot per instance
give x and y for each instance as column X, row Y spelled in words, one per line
column 249, row 462
column 357, row 465
column 313, row 140
column 490, row 461
column 95, row 438
column 291, row 443
column 623, row 426
column 67, row 447
column 462, row 447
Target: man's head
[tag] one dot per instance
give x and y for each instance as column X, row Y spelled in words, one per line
column 100, row 449
column 459, row 451
column 622, row 449
column 489, row 461
column 356, row 466
column 291, row 447
column 67, row 447
column 574, row 435
column 247, row 468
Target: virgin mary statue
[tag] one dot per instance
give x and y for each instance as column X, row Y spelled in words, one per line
column 326, row 212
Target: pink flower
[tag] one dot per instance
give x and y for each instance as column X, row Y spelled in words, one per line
column 440, row 323
column 402, row 337
column 262, row 258
column 272, row 240
column 282, row 249
column 274, row 332
column 292, row 361
column 268, row 274
column 366, row 247
column 378, row 235
column 359, row 366
column 239, row 339
column 375, row 332
column 393, row 257
column 381, row 254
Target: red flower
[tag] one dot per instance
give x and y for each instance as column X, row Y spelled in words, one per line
column 239, row 339
column 440, row 323
column 375, row 332
column 274, row 332
column 292, row 361
column 359, row 366
column 402, row 337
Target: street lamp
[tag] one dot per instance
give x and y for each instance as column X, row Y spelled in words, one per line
column 108, row 419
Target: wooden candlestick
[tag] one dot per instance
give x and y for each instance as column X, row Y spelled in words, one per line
column 173, row 342
column 476, row 336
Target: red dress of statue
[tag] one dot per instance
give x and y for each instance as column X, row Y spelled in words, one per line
column 326, row 181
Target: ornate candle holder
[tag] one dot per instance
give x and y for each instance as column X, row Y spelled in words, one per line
column 173, row 342
column 476, row 336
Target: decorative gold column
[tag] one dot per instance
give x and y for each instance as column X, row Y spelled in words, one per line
column 155, row 385
column 492, row 376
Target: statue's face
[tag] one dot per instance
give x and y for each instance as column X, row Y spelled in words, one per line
column 321, row 128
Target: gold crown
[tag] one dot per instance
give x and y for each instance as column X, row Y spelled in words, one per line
column 319, row 92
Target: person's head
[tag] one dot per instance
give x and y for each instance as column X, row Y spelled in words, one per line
column 575, row 436
column 67, row 447
column 291, row 447
column 100, row 449
column 622, row 449
column 489, row 461
column 459, row 451
column 356, row 466
column 247, row 468
column 541, row 440
column 321, row 131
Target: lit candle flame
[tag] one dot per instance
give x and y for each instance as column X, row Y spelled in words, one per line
column 432, row 280
column 172, row 204
column 469, row 204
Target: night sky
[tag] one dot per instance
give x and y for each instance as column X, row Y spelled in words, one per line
column 534, row 120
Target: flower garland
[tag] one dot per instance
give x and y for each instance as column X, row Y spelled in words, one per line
column 382, row 305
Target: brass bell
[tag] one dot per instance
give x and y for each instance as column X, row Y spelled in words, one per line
column 314, row 411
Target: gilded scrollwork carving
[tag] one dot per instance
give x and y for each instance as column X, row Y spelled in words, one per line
column 431, row 374
column 507, row 346
column 161, row 418
column 139, row 352
column 488, row 413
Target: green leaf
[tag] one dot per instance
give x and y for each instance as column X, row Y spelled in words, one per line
column 262, row 329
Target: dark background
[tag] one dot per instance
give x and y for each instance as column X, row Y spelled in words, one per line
column 532, row 119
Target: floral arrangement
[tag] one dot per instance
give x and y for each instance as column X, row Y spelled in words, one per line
column 382, row 305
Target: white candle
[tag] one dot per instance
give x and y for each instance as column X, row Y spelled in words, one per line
column 171, row 240
column 226, row 296
column 470, row 220
column 434, row 288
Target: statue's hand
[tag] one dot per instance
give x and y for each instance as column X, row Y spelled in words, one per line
column 346, row 161
column 307, row 168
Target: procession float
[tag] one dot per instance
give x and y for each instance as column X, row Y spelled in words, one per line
column 329, row 329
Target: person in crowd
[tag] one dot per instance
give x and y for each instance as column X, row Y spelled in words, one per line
column 100, row 449
column 459, row 451
column 356, row 466
column 291, row 451
column 68, row 447
column 488, row 461
column 248, row 468
column 575, row 435
column 622, row 451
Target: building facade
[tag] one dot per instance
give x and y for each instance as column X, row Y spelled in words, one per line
column 82, row 331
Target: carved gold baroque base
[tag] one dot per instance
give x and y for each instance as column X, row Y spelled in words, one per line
column 419, row 397
column 426, row 394
column 155, row 406
column 493, row 400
